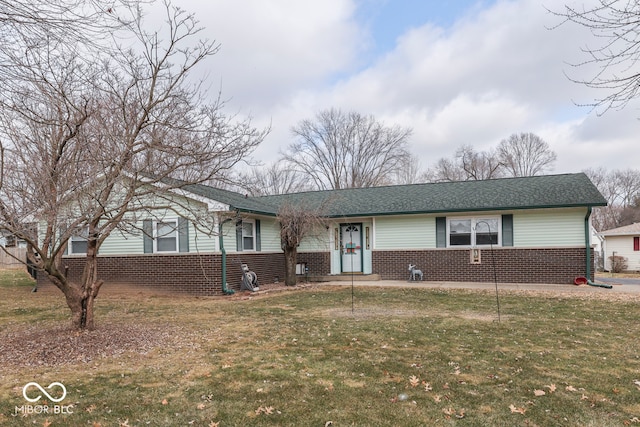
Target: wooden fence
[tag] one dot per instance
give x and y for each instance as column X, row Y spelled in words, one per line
column 8, row 258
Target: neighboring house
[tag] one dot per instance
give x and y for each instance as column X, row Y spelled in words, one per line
column 623, row 242
column 523, row 230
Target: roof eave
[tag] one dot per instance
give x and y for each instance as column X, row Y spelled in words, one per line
column 461, row 210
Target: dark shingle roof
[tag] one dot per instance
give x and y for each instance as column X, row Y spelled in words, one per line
column 549, row 191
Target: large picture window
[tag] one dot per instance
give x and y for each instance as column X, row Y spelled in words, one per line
column 481, row 231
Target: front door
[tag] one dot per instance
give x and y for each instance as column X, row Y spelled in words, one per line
column 351, row 247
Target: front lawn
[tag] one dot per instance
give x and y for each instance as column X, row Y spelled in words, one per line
column 404, row 357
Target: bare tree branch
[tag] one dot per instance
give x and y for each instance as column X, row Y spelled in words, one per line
column 346, row 150
column 525, row 154
column 92, row 143
column 615, row 25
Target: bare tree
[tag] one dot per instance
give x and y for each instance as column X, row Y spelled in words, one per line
column 297, row 222
column 525, row 154
column 479, row 165
column 345, row 150
column 410, row 174
column 278, row 178
column 445, row 170
column 91, row 144
column 616, row 29
column 467, row 165
column 621, row 189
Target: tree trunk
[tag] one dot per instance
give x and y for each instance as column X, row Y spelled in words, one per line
column 80, row 296
column 290, row 258
column 89, row 288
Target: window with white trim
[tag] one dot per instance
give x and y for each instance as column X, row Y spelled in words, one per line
column 470, row 232
column 78, row 242
column 248, row 235
column 165, row 235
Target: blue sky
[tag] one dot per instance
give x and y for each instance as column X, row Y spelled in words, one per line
column 390, row 19
column 456, row 72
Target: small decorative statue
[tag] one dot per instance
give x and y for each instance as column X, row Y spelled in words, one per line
column 415, row 273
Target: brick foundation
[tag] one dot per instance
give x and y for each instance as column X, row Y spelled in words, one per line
column 193, row 274
column 512, row 265
column 200, row 274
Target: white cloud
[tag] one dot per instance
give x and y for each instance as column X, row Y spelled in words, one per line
column 271, row 49
column 494, row 72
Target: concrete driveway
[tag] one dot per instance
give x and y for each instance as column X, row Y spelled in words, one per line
column 617, row 286
column 618, row 280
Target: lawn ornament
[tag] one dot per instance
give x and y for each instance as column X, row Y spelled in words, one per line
column 415, row 273
column 249, row 279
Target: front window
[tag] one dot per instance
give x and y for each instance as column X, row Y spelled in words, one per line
column 248, row 236
column 78, row 242
column 486, row 231
column 460, row 232
column 474, row 231
column 166, row 236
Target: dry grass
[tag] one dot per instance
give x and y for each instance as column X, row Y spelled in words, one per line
column 401, row 357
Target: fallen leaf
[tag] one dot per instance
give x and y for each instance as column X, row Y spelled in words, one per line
column 46, row 423
column 328, row 424
column 414, row 381
column 551, row 388
column 437, row 398
column 90, row 408
column 165, row 402
column 427, row 387
column 539, row 392
column 96, row 424
column 125, row 423
column 214, row 424
column 201, row 406
column 268, row 410
column 570, row 388
column 516, row 410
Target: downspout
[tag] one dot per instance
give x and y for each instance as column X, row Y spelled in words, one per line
column 225, row 290
column 587, row 241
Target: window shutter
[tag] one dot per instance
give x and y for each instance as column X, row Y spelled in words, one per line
column 636, row 243
column 147, row 236
column 183, row 234
column 507, row 230
column 239, row 236
column 257, row 231
column 441, row 232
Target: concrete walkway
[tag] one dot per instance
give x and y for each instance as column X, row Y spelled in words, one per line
column 618, row 288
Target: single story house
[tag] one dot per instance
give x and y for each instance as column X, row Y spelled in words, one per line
column 524, row 230
column 623, row 242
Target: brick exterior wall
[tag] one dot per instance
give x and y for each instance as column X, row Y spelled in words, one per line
column 200, row 274
column 512, row 265
column 193, row 274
